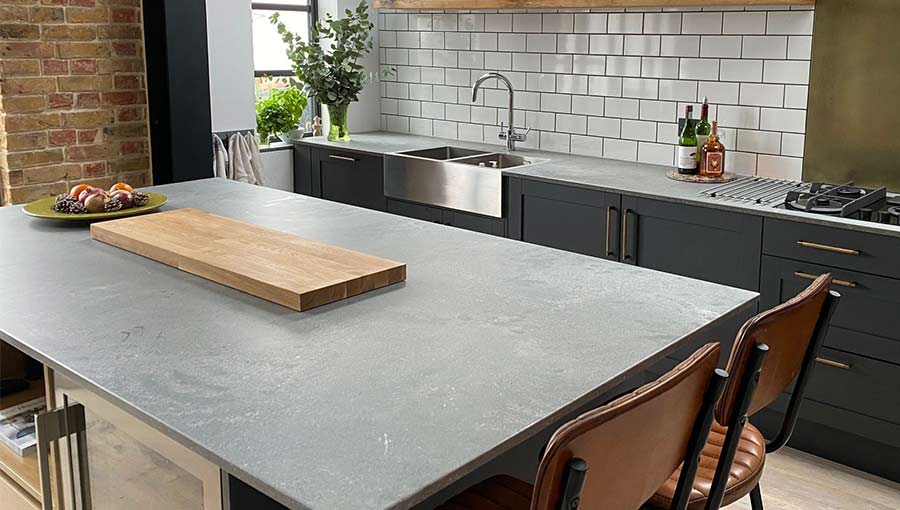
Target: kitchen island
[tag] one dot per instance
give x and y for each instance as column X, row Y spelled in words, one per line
column 376, row 401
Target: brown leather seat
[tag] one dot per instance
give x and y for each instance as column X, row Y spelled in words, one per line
column 631, row 445
column 744, row 475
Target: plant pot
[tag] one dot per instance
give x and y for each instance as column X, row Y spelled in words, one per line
column 292, row 135
column 337, row 122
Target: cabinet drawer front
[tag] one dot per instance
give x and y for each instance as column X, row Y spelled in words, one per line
column 856, row 383
column 869, row 304
column 349, row 178
column 412, row 210
column 846, row 249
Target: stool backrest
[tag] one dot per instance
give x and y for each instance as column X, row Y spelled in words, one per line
column 634, row 443
column 788, row 330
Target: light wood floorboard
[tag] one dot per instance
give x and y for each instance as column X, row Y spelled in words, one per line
column 793, row 480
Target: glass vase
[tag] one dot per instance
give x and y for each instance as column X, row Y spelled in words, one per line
column 337, row 122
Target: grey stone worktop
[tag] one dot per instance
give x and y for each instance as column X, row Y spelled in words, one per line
column 372, row 402
column 636, row 179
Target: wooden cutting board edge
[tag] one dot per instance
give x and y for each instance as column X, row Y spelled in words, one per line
column 300, row 302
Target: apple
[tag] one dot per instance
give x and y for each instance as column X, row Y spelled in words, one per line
column 124, row 196
column 82, row 197
column 95, row 203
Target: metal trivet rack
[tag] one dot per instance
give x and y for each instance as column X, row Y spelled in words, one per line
column 758, row 190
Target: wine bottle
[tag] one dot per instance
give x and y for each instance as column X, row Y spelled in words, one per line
column 687, row 145
column 702, row 128
column 712, row 154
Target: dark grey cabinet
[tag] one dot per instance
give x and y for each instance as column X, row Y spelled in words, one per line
column 459, row 219
column 572, row 219
column 348, row 177
column 698, row 242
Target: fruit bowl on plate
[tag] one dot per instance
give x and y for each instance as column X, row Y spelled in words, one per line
column 88, row 203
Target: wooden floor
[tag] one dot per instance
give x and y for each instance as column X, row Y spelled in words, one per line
column 794, row 480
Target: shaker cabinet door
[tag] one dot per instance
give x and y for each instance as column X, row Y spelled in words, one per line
column 113, row 461
column 349, row 178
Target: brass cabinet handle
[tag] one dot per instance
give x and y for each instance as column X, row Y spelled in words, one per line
column 342, row 158
column 832, row 363
column 825, row 247
column 608, row 219
column 835, row 281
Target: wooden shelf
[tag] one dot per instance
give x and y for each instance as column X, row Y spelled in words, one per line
column 22, row 470
column 553, row 4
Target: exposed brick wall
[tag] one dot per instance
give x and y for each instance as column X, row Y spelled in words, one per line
column 73, row 100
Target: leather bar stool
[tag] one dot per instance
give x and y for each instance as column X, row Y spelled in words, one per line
column 616, row 456
column 772, row 349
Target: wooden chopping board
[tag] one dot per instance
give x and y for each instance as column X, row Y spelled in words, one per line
column 279, row 267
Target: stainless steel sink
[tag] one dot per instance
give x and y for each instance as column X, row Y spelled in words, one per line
column 500, row 160
column 452, row 177
column 443, row 153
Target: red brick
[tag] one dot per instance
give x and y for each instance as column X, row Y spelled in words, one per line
column 60, row 100
column 131, row 31
column 124, row 48
column 84, row 66
column 95, row 169
column 123, row 98
column 87, row 15
column 127, row 82
column 120, row 15
column 87, row 135
column 88, row 100
column 82, row 3
column 55, row 66
column 132, row 148
column 130, row 114
column 86, row 152
column 63, row 137
column 83, row 49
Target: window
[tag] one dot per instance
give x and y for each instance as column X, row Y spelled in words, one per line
column 271, row 66
column 269, row 57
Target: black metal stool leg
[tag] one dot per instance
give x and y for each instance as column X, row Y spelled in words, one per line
column 756, row 499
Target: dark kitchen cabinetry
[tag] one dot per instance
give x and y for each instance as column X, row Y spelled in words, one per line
column 698, row 242
column 348, row 177
column 572, row 219
column 459, row 219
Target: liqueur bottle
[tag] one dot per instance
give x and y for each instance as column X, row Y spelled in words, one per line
column 702, row 128
column 712, row 154
column 686, row 159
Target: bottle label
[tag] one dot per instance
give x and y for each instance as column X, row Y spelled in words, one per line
column 715, row 163
column 687, row 157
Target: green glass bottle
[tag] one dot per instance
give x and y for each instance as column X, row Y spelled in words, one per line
column 703, row 128
column 686, row 159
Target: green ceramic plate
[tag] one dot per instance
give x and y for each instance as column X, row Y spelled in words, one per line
column 43, row 208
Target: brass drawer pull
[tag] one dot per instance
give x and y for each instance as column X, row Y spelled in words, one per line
column 842, row 283
column 825, row 247
column 342, row 158
column 832, row 363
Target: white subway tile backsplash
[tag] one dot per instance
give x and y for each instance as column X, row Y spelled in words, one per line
column 656, row 153
column 572, row 43
column 640, row 88
column 677, row 90
column 658, row 67
column 625, row 23
column 588, row 105
column 702, row 23
column 526, row 22
column 741, row 70
column 511, row 42
column 786, row 71
column 680, row 46
column 589, row 64
column 792, row 23
column 605, row 127
column 606, row 81
column 607, row 44
column 590, row 23
column 764, row 142
column 765, row 46
column 744, row 23
column 780, row 119
column 726, row 46
column 662, row 23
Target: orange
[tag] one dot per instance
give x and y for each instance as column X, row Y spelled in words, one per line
column 78, row 189
column 121, row 185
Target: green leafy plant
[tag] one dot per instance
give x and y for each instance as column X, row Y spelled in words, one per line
column 279, row 112
column 331, row 76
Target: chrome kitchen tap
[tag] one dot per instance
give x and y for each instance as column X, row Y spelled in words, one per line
column 506, row 133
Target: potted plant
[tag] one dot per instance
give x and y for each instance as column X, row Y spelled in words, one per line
column 327, row 63
column 279, row 113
